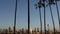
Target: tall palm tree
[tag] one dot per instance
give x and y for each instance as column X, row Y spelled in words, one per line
column 57, row 11
column 52, row 18
column 39, row 5
column 28, row 16
column 50, row 2
column 44, row 16
column 15, row 17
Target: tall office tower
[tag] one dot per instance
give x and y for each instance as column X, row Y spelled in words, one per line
column 9, row 30
column 22, row 31
column 13, row 30
column 5, row 31
column 37, row 29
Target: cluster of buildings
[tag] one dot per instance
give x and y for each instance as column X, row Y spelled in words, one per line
column 23, row 31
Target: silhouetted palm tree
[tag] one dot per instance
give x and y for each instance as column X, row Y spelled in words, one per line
column 15, row 16
column 28, row 16
column 39, row 5
column 57, row 11
column 44, row 15
column 51, row 2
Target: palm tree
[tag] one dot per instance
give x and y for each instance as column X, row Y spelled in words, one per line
column 57, row 11
column 15, row 17
column 50, row 2
column 44, row 16
column 28, row 17
column 39, row 5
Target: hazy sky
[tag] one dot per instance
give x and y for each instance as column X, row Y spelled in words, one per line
column 7, row 8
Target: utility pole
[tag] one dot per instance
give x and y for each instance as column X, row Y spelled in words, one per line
column 15, row 17
column 28, row 16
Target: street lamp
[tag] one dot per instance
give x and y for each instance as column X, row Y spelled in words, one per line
column 28, row 16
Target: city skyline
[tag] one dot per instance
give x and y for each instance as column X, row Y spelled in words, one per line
column 7, row 14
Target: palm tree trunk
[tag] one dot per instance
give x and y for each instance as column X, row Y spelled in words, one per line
column 15, row 17
column 28, row 17
column 44, row 17
column 57, row 13
column 40, row 21
column 52, row 18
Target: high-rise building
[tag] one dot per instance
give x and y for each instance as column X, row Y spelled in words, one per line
column 37, row 29
column 9, row 30
column 22, row 31
column 13, row 29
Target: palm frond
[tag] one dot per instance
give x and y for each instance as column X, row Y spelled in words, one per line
column 35, row 6
column 57, row 0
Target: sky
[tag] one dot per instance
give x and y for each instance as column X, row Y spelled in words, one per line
column 7, row 9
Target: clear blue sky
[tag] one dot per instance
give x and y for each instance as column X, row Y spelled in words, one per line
column 7, row 14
